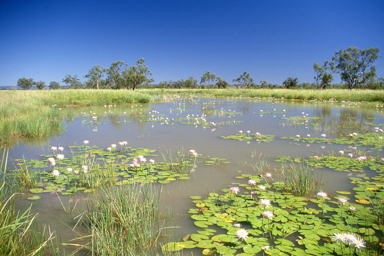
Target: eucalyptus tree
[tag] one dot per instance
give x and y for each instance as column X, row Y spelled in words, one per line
column 163, row 84
column 73, row 82
column 263, row 84
column 221, row 83
column 207, row 78
column 290, row 82
column 179, row 83
column 25, row 83
column 115, row 77
column 95, row 74
column 322, row 76
column 40, row 85
column 191, row 83
column 355, row 66
column 244, row 79
column 138, row 74
column 54, row 85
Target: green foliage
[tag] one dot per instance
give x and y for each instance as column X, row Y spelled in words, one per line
column 244, row 80
column 54, row 85
column 95, row 75
column 356, row 66
column 40, row 85
column 73, row 82
column 221, row 83
column 25, row 83
column 208, row 78
column 137, row 75
column 290, row 82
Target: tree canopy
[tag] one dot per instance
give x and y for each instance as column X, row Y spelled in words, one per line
column 25, row 83
column 244, row 79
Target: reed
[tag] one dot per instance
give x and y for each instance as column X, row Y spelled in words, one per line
column 301, row 180
column 124, row 221
column 18, row 232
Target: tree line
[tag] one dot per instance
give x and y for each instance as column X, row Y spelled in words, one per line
column 356, row 68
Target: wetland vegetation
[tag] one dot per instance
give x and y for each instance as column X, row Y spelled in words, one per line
column 257, row 173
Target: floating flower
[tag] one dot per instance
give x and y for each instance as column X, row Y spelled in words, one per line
column 234, row 190
column 125, row 142
column 55, row 173
column 265, row 202
column 268, row 214
column 121, row 143
column 268, row 175
column 69, row 169
column 350, row 238
column 352, row 208
column 109, row 148
column 51, row 161
column 262, row 187
column 53, row 148
column 242, row 234
column 86, row 142
column 60, row 149
column 322, row 194
column 298, row 136
column 341, row 152
column 248, row 132
column 151, row 161
column 267, row 247
column 342, row 200
column 358, row 243
column 113, row 145
column 338, row 237
column 350, row 154
column 252, row 182
column 76, row 171
column 323, row 135
column 60, row 156
column 85, row 168
column 241, row 131
column 308, row 135
column 236, row 225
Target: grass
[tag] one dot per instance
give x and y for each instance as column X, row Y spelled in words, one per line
column 37, row 114
column 124, row 221
column 18, row 233
column 330, row 94
column 300, row 180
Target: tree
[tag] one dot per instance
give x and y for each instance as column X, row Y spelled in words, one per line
column 138, row 74
column 244, row 79
column 290, row 82
column 221, row 83
column 54, row 85
column 321, row 74
column 179, row 84
column 95, row 75
column 72, row 81
column 115, row 77
column 207, row 78
column 191, row 83
column 163, row 84
column 25, row 83
column 355, row 66
column 263, row 84
column 40, row 85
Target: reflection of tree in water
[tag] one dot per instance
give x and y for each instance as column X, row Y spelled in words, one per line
column 245, row 108
column 349, row 120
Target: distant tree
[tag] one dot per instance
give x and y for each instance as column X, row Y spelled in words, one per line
column 244, row 79
column 322, row 76
column 191, row 83
column 221, row 83
column 263, row 84
column 138, row 74
column 163, row 84
column 54, row 85
column 115, row 77
column 40, row 85
column 208, row 78
column 95, row 75
column 73, row 82
column 25, row 83
column 356, row 66
column 290, row 82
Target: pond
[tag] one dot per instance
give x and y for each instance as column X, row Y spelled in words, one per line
column 235, row 140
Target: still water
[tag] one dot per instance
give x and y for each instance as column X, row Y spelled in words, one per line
column 163, row 127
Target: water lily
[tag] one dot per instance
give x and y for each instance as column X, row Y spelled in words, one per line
column 252, row 182
column 60, row 156
column 322, row 194
column 69, row 169
column 338, row 237
column 323, row 135
column 235, row 190
column 265, row 202
column 113, row 145
column 86, row 142
column 242, row 234
column 262, row 187
column 53, row 148
column 268, row 175
column 85, row 168
column 358, row 243
column 268, row 214
column 76, row 171
column 55, row 173
column 61, row 149
column 236, row 225
column 352, row 208
column 341, row 152
column 151, row 161
column 342, row 200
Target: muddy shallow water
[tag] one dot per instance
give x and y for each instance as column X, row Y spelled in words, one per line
column 165, row 132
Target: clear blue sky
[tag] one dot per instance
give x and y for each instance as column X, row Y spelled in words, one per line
column 271, row 40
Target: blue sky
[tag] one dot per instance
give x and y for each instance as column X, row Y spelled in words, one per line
column 271, row 40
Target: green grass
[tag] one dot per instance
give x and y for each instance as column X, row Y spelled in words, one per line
column 37, row 114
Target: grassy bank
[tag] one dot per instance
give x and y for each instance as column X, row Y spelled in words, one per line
column 335, row 94
column 36, row 113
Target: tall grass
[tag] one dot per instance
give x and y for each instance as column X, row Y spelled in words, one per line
column 36, row 113
column 18, row 235
column 301, row 180
column 124, row 221
column 355, row 95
